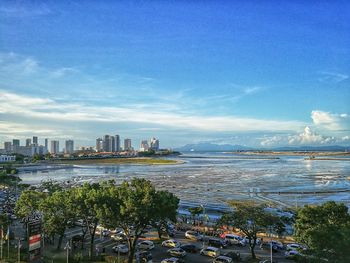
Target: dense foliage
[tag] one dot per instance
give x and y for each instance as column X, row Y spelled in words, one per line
column 325, row 229
column 251, row 219
column 131, row 206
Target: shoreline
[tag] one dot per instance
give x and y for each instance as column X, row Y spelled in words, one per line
column 292, row 153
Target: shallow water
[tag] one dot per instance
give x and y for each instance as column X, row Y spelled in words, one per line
column 218, row 177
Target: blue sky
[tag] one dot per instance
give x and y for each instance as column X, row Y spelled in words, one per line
column 256, row 73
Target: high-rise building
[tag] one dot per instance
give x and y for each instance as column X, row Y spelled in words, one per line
column 107, row 143
column 99, row 145
column 8, row 146
column 112, row 143
column 47, row 144
column 127, row 145
column 54, row 147
column 144, row 146
column 69, row 147
column 117, row 143
column 35, row 140
column 15, row 142
column 28, row 142
column 154, row 144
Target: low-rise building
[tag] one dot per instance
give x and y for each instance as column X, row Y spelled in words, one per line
column 7, row 158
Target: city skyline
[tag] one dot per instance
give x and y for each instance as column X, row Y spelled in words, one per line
column 252, row 73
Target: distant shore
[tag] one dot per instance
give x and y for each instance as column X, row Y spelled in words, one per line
column 294, row 153
column 111, row 161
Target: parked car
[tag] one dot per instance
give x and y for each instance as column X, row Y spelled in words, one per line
column 234, row 239
column 222, row 259
column 291, row 254
column 172, row 260
column 146, row 244
column 210, row 252
column 144, row 256
column 190, row 248
column 121, row 248
column 236, row 256
column 246, row 240
column 267, row 261
column 217, row 242
column 171, row 243
column 295, row 246
column 118, row 237
column 193, row 235
column 177, row 252
column 105, row 232
column 277, row 244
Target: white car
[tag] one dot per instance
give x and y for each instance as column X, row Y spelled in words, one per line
column 222, row 259
column 291, row 254
column 235, row 240
column 118, row 237
column 122, row 249
column 193, row 235
column 295, row 246
column 146, row 244
column 177, row 252
column 210, row 252
column 171, row 243
column 171, row 260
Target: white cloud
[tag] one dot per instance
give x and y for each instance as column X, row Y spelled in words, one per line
column 334, row 77
column 330, row 121
column 47, row 109
column 307, row 137
column 11, row 63
column 58, row 73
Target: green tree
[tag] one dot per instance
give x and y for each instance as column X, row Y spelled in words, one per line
column 138, row 207
column 28, row 203
column 88, row 200
column 50, row 187
column 167, row 205
column 250, row 218
column 195, row 211
column 325, row 229
column 57, row 213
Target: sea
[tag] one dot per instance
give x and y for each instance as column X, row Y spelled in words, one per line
column 213, row 179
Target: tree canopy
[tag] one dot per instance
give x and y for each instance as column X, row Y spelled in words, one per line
column 251, row 219
column 325, row 229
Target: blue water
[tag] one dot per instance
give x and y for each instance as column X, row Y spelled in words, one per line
column 218, row 177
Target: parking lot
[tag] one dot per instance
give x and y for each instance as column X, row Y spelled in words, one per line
column 105, row 244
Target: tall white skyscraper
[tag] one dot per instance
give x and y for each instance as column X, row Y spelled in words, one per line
column 117, row 143
column 54, row 147
column 154, row 144
column 99, row 145
column 28, row 142
column 69, row 147
column 47, row 144
column 35, row 140
column 144, row 147
column 127, row 145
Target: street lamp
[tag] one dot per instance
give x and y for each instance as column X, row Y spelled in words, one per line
column 204, row 216
column 19, row 249
column 67, row 247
